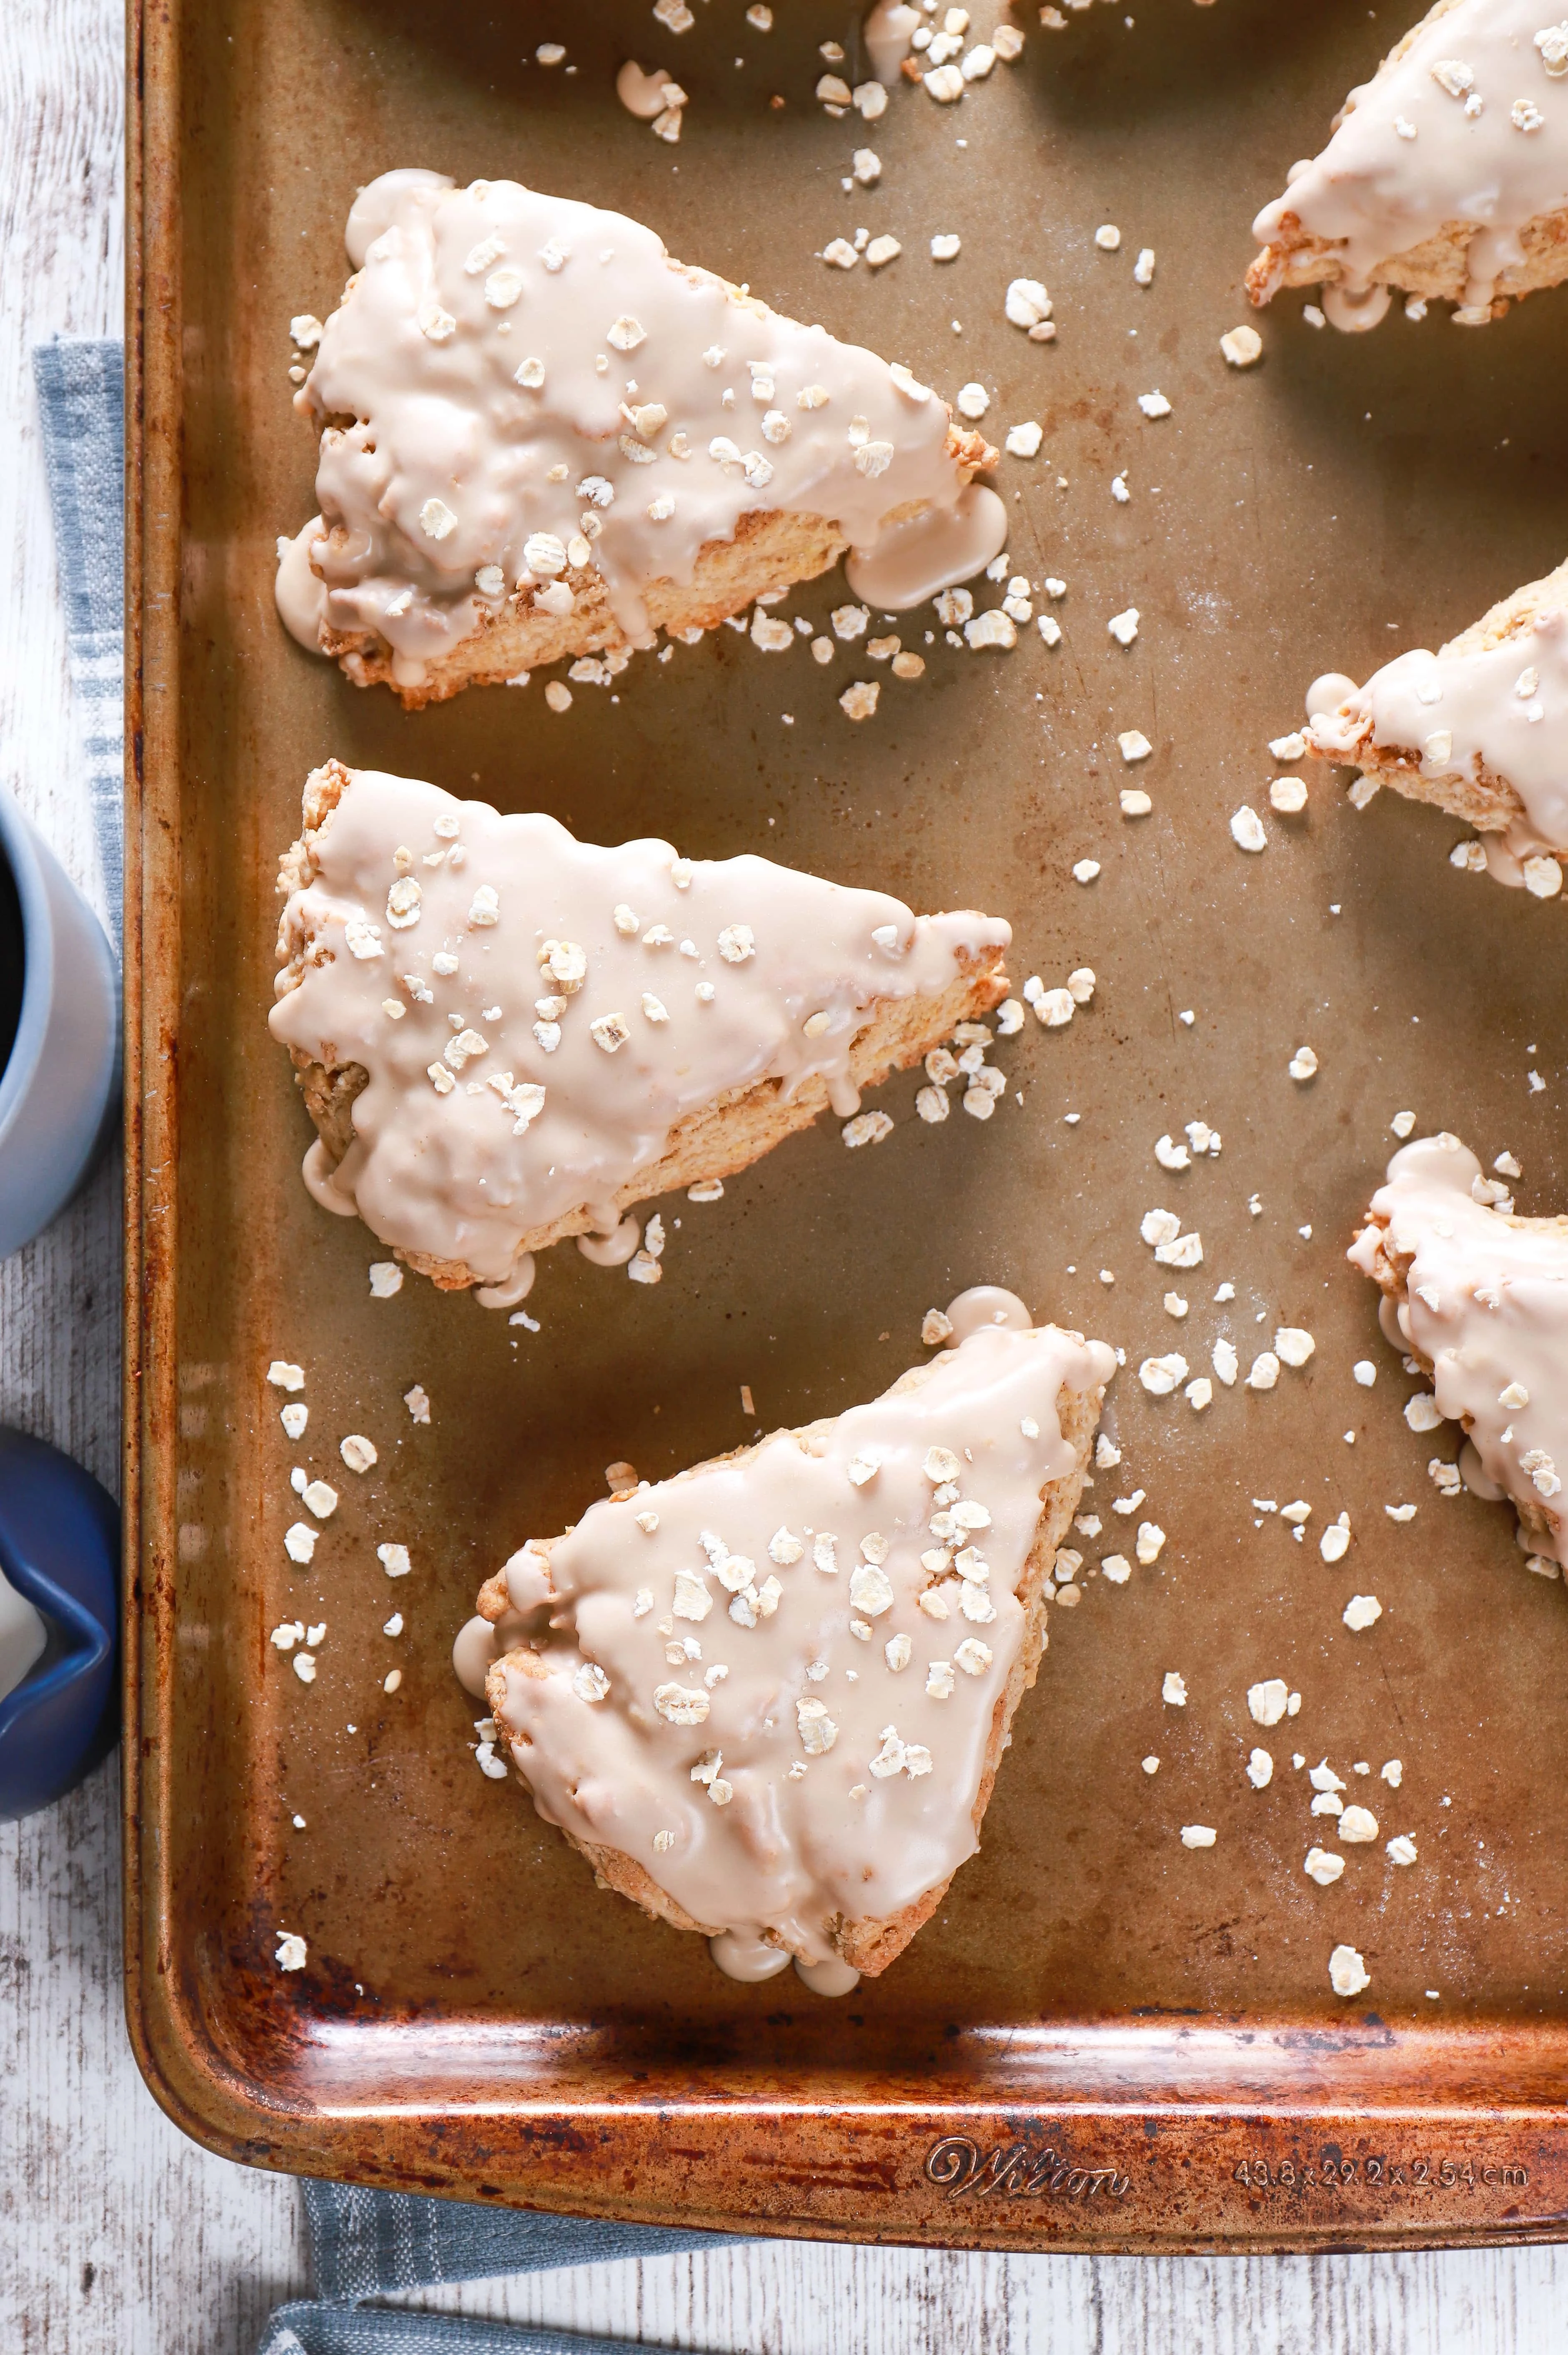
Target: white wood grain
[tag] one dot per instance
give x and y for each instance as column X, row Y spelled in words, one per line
column 783, row 2299
column 116, row 2232
column 119, row 2237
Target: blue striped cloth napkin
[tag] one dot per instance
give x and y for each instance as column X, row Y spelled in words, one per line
column 365, row 2243
column 81, row 402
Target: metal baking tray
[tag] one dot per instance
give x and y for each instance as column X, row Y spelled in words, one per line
column 1104, row 2040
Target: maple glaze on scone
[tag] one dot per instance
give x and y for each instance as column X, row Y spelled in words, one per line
column 1479, row 727
column 542, row 434
column 506, row 1036
column 768, row 1698
column 1446, row 175
column 1481, row 1298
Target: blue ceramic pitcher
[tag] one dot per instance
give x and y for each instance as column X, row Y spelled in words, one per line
column 60, row 1546
column 59, row 1033
column 60, row 1099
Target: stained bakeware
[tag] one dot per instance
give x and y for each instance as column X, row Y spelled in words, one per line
column 1104, row 2039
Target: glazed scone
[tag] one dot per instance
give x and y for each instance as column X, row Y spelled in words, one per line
column 1446, row 175
column 1480, row 1297
column 1481, row 729
column 768, row 1698
column 506, row 1036
column 542, row 438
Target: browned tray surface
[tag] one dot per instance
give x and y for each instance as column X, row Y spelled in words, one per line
column 476, row 2018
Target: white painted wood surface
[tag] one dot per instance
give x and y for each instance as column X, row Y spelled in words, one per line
column 116, row 2233
column 117, row 2236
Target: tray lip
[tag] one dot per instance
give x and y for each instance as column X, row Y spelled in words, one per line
column 147, row 29
column 198, row 2087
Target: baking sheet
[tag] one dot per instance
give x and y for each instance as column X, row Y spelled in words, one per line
column 1149, row 2026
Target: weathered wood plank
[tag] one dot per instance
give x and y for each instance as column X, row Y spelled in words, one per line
column 778, row 2299
column 117, row 2233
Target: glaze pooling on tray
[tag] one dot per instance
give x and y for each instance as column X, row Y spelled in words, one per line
column 736, row 1686
column 1498, row 712
column 1467, row 128
column 535, row 385
column 535, row 1013
column 1483, row 1297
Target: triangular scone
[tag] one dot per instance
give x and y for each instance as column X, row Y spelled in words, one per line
column 1479, row 727
column 1480, row 1297
column 769, row 1697
column 1446, row 175
column 506, row 1036
column 560, row 441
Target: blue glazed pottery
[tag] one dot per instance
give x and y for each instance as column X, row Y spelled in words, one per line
column 59, row 1033
column 59, row 1549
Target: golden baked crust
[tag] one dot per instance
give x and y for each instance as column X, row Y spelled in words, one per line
column 868, row 1945
column 1486, row 800
column 721, row 1137
column 771, row 550
column 1438, row 268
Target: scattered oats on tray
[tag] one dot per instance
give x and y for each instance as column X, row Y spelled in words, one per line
column 827, row 1632
column 733, row 450
column 482, row 1090
column 882, row 1682
column 1241, row 347
column 1348, row 1974
column 654, row 98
